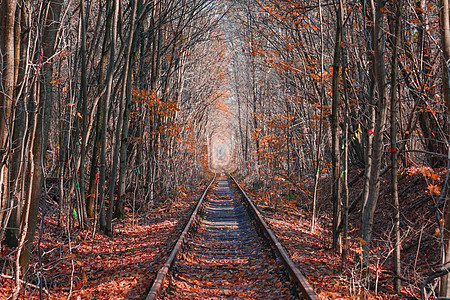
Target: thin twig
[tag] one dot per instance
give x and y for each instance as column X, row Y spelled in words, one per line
column 26, row 283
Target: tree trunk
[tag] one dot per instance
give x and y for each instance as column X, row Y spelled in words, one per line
column 445, row 40
column 7, row 45
column 394, row 148
column 39, row 136
column 368, row 211
column 345, row 146
column 319, row 138
column 122, row 131
column 20, row 125
column 444, row 290
column 104, row 119
column 124, row 145
column 84, row 111
column 101, row 112
column 335, row 134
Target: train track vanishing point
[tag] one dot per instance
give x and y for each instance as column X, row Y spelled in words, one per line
column 227, row 251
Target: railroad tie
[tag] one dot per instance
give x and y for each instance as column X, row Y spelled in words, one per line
column 225, row 257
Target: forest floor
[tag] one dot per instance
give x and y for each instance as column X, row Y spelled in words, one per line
column 290, row 218
column 123, row 267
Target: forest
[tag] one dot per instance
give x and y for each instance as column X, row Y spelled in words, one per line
column 114, row 115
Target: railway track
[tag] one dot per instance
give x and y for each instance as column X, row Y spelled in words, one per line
column 227, row 251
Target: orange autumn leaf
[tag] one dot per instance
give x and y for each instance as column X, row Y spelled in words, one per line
column 427, row 172
column 435, row 177
column 434, row 189
column 55, row 81
column 362, row 241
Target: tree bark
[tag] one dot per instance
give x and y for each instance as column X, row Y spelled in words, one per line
column 394, row 148
column 21, row 122
column 319, row 138
column 103, row 121
column 39, row 136
column 84, row 111
column 101, row 115
column 445, row 38
column 444, row 10
column 17, row 159
column 7, row 47
column 335, row 134
column 368, row 211
column 122, row 131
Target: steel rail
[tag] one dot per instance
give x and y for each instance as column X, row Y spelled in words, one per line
column 300, row 280
column 162, row 273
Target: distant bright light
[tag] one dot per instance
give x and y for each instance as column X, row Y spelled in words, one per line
column 221, row 149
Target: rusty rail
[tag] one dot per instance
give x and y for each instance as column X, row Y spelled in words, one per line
column 300, row 280
column 162, row 273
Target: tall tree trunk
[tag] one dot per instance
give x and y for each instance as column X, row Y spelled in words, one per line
column 335, row 161
column 319, row 138
column 84, row 111
column 445, row 40
column 101, row 114
column 20, row 124
column 124, row 145
column 122, row 131
column 7, row 47
column 345, row 147
column 104, row 119
column 444, row 10
column 345, row 189
column 368, row 211
column 394, row 147
column 155, row 40
column 39, row 136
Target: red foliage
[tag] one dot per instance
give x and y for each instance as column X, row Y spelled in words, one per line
column 122, row 267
